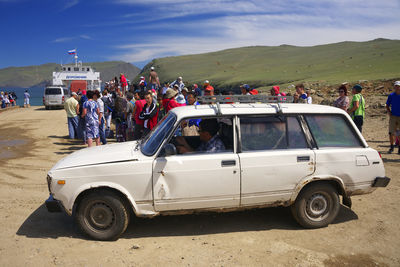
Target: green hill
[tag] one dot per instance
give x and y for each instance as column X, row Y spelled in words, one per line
column 262, row 66
column 40, row 75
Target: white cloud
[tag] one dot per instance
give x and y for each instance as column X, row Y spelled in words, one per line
column 70, row 3
column 257, row 22
column 71, row 38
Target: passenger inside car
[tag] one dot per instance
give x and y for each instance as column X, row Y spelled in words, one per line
column 208, row 141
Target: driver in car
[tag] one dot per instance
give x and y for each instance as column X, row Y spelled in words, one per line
column 210, row 141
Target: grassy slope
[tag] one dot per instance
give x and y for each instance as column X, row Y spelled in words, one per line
column 33, row 75
column 263, row 66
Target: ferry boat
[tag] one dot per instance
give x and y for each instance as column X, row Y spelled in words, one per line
column 77, row 76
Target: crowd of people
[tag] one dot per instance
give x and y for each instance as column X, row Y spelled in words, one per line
column 137, row 108
column 8, row 99
column 356, row 109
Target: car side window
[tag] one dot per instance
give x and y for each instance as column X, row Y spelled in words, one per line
column 332, row 131
column 263, row 133
column 203, row 135
column 271, row 132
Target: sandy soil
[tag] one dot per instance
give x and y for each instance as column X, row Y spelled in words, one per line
column 367, row 235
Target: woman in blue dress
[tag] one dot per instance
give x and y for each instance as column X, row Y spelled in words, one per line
column 92, row 116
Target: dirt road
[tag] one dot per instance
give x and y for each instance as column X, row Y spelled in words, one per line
column 367, row 235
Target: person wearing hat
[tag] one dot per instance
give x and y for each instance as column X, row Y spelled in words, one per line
column 185, row 92
column 180, row 99
column 245, row 89
column 393, row 109
column 26, row 99
column 208, row 89
column 357, row 107
column 71, row 107
column 169, row 101
column 179, row 83
column 154, row 80
column 142, row 83
column 164, row 89
column 197, row 90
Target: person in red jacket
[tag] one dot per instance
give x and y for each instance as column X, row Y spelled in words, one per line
column 149, row 113
column 169, row 101
column 275, row 91
column 208, row 89
column 139, row 123
column 124, row 83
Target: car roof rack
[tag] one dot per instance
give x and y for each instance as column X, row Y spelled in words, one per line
column 246, row 99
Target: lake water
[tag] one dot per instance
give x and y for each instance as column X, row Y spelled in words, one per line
column 35, row 92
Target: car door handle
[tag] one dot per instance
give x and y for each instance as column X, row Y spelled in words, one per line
column 226, row 163
column 303, row 158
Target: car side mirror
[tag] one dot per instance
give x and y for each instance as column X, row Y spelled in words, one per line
column 170, row 150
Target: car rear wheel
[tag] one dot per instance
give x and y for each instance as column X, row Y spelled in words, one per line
column 47, row 107
column 316, row 206
column 102, row 215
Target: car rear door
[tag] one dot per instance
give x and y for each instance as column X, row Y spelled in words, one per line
column 341, row 153
column 274, row 157
column 54, row 96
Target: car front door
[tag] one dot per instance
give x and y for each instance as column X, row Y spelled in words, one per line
column 197, row 180
column 274, row 157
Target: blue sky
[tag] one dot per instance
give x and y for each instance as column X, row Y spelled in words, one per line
column 41, row 31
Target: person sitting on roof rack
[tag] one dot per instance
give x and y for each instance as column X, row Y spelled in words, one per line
column 245, row 88
column 302, row 94
column 208, row 89
column 254, row 92
column 196, row 90
column 275, row 91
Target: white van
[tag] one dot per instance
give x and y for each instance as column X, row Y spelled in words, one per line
column 260, row 155
column 55, row 96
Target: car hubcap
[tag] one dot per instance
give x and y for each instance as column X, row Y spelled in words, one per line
column 317, row 207
column 101, row 216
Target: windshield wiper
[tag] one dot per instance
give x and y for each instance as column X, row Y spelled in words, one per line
column 139, row 143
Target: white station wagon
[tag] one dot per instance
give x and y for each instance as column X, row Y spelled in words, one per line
column 221, row 158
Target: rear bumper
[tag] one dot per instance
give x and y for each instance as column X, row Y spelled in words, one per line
column 381, row 182
column 53, row 205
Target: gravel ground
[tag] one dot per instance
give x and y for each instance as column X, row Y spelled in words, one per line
column 367, row 235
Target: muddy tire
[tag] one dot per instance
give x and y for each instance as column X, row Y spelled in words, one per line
column 102, row 215
column 316, row 206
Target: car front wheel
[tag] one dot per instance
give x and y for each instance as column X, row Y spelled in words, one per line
column 102, row 215
column 316, row 206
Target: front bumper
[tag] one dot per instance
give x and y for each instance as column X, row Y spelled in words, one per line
column 53, row 205
column 381, row 182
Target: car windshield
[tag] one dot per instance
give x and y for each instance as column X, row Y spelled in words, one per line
column 154, row 139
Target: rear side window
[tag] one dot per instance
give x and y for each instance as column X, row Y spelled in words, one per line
column 66, row 92
column 53, row 91
column 332, row 131
column 271, row 132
